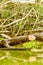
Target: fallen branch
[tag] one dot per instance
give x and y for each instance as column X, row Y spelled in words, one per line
column 15, row 48
column 25, row 38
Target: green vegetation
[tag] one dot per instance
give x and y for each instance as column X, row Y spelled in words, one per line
column 32, row 44
column 18, row 57
column 15, row 11
column 1, row 38
column 12, row 11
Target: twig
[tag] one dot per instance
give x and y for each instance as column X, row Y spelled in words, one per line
column 4, row 3
column 34, row 30
column 36, row 50
column 5, row 36
column 4, row 31
column 37, row 24
column 8, row 19
column 21, row 28
column 36, row 19
column 17, row 20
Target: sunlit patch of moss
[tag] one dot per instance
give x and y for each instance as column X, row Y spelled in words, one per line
column 2, row 53
column 1, row 38
column 31, row 44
